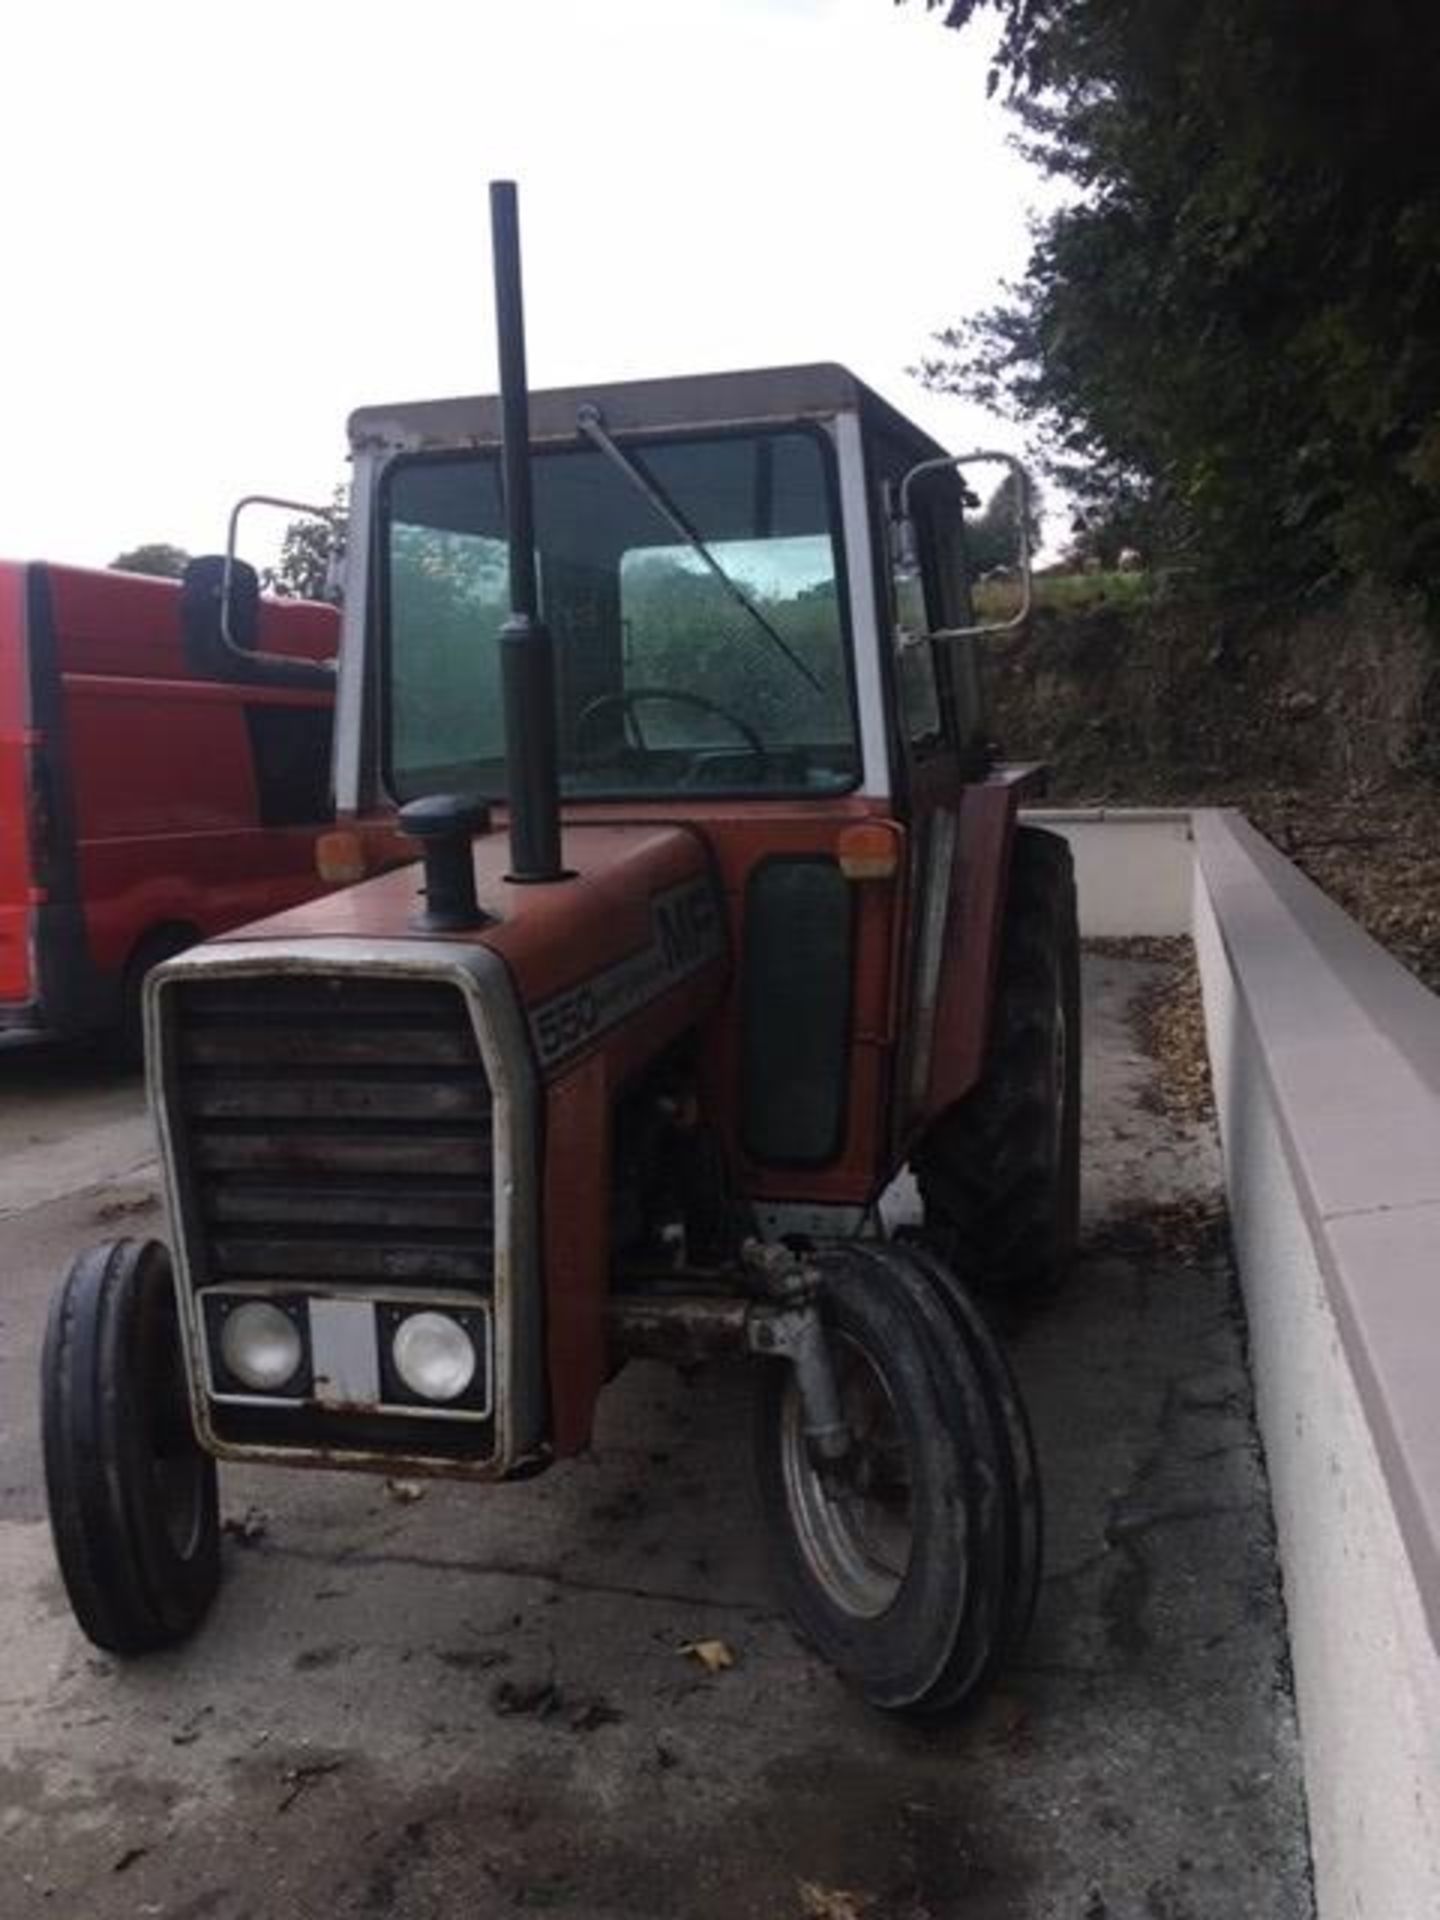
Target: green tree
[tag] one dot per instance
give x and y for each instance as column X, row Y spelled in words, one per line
column 1229, row 334
column 157, row 557
column 683, row 630
column 992, row 536
column 309, row 549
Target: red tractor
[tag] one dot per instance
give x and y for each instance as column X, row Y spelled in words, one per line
column 630, row 1072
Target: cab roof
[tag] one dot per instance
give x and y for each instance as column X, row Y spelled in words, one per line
column 747, row 398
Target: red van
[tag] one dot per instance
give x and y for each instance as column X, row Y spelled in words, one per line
column 163, row 776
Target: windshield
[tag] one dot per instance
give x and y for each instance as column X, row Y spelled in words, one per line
column 716, row 662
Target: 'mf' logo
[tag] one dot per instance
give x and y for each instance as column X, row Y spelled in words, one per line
column 685, row 934
column 687, row 927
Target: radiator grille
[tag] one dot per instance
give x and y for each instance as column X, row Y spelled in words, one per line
column 332, row 1128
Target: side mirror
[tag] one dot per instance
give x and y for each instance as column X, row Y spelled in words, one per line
column 220, row 614
column 904, row 537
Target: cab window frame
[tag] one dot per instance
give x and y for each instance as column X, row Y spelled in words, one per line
column 892, row 462
column 816, row 431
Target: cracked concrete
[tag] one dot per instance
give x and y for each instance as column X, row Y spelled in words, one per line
column 477, row 1703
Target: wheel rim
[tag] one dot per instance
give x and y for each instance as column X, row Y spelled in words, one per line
column 855, row 1534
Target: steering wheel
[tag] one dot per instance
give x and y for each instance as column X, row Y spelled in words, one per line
column 625, row 704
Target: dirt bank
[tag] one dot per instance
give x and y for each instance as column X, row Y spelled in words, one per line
column 1324, row 728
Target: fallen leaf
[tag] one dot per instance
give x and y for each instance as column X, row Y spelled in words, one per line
column 832, row 1903
column 122, row 1206
column 714, row 1655
column 248, row 1527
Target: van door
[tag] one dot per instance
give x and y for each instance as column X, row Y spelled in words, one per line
column 16, row 986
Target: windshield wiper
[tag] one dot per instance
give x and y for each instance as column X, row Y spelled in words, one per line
column 592, row 424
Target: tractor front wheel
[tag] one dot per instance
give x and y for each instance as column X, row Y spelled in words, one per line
column 909, row 1565
column 133, row 1502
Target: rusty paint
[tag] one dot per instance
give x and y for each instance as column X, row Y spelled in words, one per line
column 678, row 1327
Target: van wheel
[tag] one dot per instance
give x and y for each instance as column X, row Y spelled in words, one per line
column 999, row 1174
column 903, row 1566
column 127, row 1042
column 133, row 1500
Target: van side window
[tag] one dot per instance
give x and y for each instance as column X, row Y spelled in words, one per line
column 290, row 749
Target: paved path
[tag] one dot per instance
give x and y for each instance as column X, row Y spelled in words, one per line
column 476, row 1704
column 66, row 1122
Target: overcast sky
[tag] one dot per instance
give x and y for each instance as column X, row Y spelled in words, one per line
column 225, row 226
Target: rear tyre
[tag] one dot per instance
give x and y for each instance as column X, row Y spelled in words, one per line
column 127, row 1041
column 899, row 1568
column 999, row 1174
column 133, row 1501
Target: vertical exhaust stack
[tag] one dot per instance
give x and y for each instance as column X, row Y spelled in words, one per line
column 527, row 655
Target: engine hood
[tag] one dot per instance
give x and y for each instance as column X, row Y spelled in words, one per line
column 642, row 913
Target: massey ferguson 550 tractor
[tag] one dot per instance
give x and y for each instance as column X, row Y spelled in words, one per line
column 721, row 917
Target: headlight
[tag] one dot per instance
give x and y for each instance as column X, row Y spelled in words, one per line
column 261, row 1346
column 434, row 1356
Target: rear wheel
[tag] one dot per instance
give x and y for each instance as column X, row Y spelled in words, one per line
column 999, row 1174
column 900, row 1565
column 133, row 1501
column 127, row 1040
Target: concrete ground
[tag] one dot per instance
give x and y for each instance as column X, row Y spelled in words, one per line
column 473, row 1704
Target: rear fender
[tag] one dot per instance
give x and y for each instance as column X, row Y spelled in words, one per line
column 957, row 1024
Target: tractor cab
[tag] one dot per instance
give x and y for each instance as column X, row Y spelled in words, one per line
column 756, row 594
column 720, row 915
column 720, row 572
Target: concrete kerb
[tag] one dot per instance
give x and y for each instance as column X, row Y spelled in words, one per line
column 1325, row 1055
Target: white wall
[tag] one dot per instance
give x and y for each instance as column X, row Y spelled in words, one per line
column 1326, row 1060
column 1367, row 1678
column 1132, row 867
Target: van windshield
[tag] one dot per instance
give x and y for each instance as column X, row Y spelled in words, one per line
column 667, row 680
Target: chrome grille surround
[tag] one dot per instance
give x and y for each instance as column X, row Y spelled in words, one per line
column 425, row 1124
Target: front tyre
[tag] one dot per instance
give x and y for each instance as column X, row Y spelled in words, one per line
column 899, row 1567
column 133, row 1502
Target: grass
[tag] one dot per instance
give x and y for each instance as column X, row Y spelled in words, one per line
column 1065, row 593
